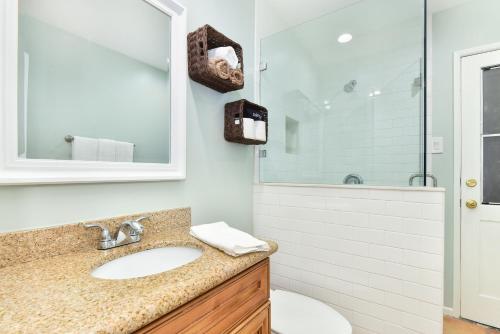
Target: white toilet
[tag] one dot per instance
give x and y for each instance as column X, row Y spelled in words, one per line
column 292, row 313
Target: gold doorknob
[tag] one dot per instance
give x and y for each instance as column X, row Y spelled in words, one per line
column 471, row 204
column 471, row 183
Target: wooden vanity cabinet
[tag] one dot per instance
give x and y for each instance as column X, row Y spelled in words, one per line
column 258, row 323
column 237, row 306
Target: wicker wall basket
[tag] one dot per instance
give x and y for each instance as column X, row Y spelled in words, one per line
column 199, row 42
column 233, row 122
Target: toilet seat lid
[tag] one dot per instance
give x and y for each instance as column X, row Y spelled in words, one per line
column 292, row 313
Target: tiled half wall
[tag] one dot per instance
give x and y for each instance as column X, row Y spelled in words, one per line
column 374, row 254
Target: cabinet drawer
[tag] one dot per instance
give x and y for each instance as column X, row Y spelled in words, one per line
column 258, row 323
column 220, row 310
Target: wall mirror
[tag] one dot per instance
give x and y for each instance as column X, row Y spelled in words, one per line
column 93, row 91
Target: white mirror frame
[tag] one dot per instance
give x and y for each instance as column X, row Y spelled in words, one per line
column 14, row 170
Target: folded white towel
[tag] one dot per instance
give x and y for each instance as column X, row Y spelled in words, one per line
column 227, row 53
column 84, row 149
column 230, row 240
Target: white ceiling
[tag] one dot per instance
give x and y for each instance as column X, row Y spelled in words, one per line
column 130, row 27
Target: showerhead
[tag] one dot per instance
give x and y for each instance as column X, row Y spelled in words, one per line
column 349, row 87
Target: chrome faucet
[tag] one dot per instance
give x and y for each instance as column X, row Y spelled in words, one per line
column 129, row 232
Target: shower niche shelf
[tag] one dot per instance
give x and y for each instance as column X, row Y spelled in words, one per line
column 234, row 114
column 199, row 42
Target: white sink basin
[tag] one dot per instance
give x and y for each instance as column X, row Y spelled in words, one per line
column 146, row 263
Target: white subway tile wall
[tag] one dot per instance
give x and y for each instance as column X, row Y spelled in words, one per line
column 375, row 255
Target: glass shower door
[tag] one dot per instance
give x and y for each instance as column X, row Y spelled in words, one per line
column 346, row 112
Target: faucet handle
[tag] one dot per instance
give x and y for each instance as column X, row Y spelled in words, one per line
column 140, row 219
column 105, row 235
column 136, row 223
column 134, row 226
column 106, row 242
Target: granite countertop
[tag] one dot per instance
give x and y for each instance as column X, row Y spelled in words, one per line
column 57, row 294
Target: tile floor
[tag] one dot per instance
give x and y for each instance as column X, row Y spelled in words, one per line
column 458, row 326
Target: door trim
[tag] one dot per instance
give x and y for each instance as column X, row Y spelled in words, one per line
column 457, row 143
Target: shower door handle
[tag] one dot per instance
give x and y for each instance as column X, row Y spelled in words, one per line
column 415, row 176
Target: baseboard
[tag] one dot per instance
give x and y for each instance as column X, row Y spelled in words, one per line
column 450, row 312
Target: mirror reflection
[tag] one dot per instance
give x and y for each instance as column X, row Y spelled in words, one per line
column 94, row 81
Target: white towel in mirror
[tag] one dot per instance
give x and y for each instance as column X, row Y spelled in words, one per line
column 84, row 148
column 90, row 149
column 106, row 150
column 124, row 152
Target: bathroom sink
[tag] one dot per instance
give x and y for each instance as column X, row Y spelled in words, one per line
column 146, row 263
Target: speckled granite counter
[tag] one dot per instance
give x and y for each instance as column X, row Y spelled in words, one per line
column 56, row 294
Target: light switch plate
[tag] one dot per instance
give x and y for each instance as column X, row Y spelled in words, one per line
column 437, row 145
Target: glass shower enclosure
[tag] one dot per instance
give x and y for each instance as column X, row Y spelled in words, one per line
column 345, row 94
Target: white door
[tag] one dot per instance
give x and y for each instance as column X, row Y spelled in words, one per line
column 480, row 187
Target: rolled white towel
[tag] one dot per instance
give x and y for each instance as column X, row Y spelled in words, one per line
column 230, row 240
column 260, row 130
column 227, row 53
column 248, row 128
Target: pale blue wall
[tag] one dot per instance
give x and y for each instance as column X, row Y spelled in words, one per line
column 473, row 24
column 219, row 174
column 79, row 88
